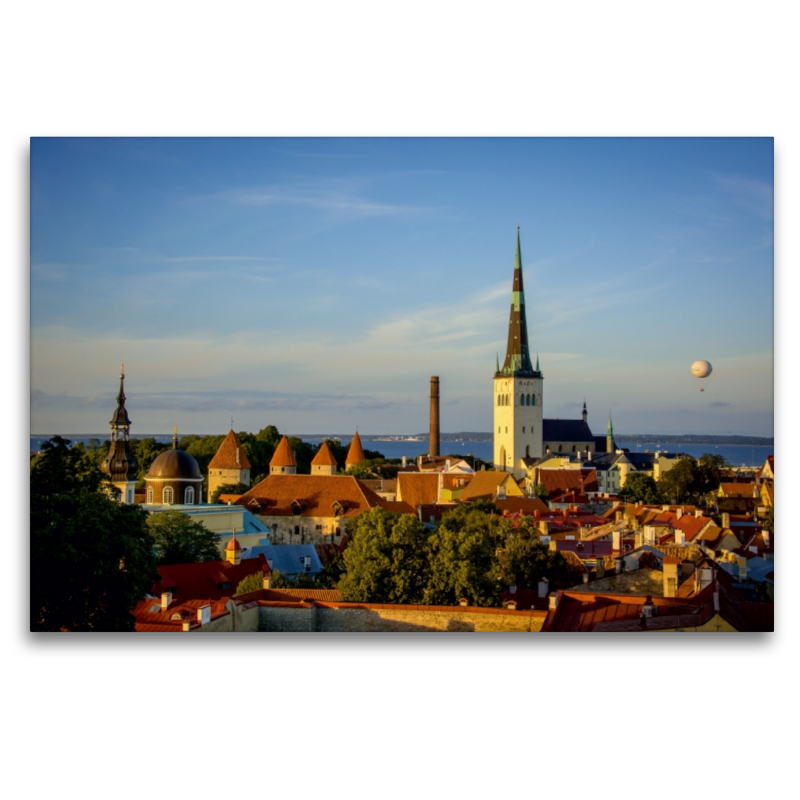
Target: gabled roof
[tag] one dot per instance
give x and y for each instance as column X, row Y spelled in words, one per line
column 284, row 457
column 355, row 453
column 484, row 485
column 566, row 430
column 417, row 488
column 324, row 457
column 230, row 455
column 313, row 495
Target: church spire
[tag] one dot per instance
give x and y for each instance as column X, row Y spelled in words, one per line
column 610, row 436
column 518, row 359
column 120, row 421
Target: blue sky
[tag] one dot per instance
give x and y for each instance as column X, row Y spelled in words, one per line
column 317, row 284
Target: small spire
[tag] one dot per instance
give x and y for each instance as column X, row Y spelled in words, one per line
column 497, row 362
column 610, row 426
column 537, row 361
column 175, row 438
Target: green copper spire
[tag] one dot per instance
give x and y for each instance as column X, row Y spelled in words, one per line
column 610, row 426
column 497, row 362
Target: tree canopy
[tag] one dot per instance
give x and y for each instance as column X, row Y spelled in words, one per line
column 640, row 488
column 692, row 479
column 463, row 562
column 180, row 540
column 386, row 560
column 92, row 558
column 524, row 561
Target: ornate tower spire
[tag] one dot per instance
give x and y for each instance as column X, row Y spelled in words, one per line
column 610, row 436
column 585, row 412
column 175, row 438
column 518, row 359
column 120, row 464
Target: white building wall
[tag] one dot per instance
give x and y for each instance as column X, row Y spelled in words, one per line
column 517, row 427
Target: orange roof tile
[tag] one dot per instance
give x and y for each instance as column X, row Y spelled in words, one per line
column 356, row 452
column 284, row 457
column 484, row 485
column 324, row 457
column 229, row 451
column 417, row 488
column 313, row 496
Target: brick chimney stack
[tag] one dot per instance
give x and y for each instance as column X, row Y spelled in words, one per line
column 433, row 447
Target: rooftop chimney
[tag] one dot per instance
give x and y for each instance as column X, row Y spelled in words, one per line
column 166, row 599
column 726, row 519
column 204, row 614
column 544, row 587
column 266, row 583
column 433, row 446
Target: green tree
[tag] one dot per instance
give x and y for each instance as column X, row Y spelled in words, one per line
column 92, row 558
column 251, row 583
column 524, row 561
column 710, row 471
column 677, row 484
column 281, row 581
column 146, row 451
column 463, row 562
column 229, row 488
column 180, row 540
column 386, row 560
column 640, row 488
column 540, row 491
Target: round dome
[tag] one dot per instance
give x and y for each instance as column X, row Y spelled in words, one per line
column 701, row 369
column 175, row 464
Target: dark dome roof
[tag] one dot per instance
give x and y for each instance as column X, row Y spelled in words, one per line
column 174, row 464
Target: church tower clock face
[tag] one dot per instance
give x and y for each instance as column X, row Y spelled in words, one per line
column 517, row 390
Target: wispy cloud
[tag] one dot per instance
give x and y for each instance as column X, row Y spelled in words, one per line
column 339, row 197
column 750, row 193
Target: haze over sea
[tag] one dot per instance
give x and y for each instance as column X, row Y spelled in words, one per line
column 736, row 455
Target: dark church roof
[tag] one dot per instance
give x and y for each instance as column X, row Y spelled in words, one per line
column 566, row 430
column 176, row 464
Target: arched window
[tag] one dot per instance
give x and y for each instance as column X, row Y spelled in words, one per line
column 534, row 399
column 150, row 495
column 527, row 399
column 166, row 496
column 188, row 496
column 527, row 451
column 573, row 448
column 523, row 429
column 559, row 448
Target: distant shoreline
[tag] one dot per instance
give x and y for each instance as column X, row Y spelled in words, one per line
column 480, row 436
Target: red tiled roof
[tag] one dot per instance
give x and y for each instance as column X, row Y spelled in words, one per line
column 314, row 495
column 417, row 488
column 356, row 452
column 201, row 580
column 736, row 489
column 225, row 457
column 324, row 457
column 284, row 457
column 455, row 480
column 524, row 505
column 564, row 480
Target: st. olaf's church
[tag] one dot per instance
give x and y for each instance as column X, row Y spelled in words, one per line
column 521, row 435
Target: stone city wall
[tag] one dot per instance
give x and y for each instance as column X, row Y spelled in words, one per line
column 330, row 618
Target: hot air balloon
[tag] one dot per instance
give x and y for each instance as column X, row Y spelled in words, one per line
column 701, row 369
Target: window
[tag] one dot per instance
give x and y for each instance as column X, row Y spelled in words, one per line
column 188, row 496
column 523, row 429
column 559, row 448
column 150, row 495
column 166, row 496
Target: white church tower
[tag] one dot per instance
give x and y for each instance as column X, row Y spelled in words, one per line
column 517, row 391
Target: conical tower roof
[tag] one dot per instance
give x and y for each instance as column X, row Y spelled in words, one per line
column 284, row 457
column 356, row 452
column 231, row 454
column 518, row 358
column 324, row 457
column 233, row 544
